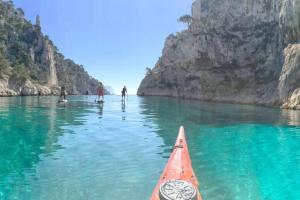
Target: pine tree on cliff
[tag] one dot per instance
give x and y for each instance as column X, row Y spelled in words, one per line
column 186, row 19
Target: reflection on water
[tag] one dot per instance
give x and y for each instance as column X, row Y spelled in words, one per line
column 292, row 116
column 84, row 150
column 123, row 106
column 101, row 105
column 217, row 113
column 123, row 110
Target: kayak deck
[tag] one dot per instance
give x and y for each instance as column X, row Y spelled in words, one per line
column 179, row 167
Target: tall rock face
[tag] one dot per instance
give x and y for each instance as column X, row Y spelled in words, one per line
column 49, row 62
column 290, row 21
column 289, row 81
column 30, row 64
column 233, row 51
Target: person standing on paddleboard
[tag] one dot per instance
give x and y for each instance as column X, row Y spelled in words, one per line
column 124, row 92
column 63, row 93
column 101, row 92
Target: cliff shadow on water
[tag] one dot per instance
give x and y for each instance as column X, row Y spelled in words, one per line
column 169, row 113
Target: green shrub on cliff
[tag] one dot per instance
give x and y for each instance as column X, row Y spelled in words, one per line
column 4, row 65
column 20, row 74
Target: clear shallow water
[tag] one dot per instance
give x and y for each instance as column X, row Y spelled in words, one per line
column 83, row 151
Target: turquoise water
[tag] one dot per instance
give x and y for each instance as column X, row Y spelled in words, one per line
column 81, row 150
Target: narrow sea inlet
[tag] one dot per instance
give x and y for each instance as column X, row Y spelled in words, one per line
column 82, row 150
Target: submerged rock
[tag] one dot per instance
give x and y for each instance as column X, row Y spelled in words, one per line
column 233, row 51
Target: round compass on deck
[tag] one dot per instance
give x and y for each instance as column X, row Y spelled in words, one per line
column 177, row 190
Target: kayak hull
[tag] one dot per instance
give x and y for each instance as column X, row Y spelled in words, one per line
column 179, row 167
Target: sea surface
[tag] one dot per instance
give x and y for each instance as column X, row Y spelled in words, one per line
column 85, row 151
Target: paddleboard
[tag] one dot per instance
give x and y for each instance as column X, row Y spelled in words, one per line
column 63, row 101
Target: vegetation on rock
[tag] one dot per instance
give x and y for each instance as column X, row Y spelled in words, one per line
column 26, row 54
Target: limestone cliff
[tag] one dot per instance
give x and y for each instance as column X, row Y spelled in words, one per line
column 30, row 64
column 289, row 81
column 48, row 58
column 232, row 51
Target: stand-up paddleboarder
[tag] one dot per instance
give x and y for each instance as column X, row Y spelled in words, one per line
column 124, row 93
column 101, row 93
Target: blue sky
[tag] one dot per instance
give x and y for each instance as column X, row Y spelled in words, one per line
column 114, row 40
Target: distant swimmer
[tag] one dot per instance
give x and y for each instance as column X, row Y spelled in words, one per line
column 101, row 92
column 124, row 93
